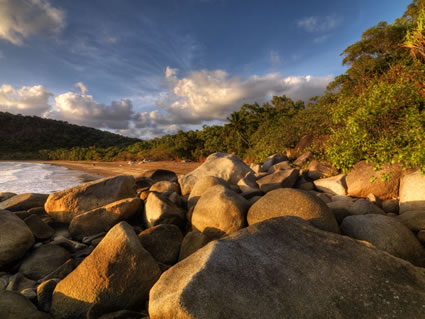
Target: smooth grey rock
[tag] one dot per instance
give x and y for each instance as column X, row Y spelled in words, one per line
column 414, row 220
column 40, row 230
column 15, row 238
column 385, row 233
column 15, row 306
column 43, row 260
column 284, row 267
column 162, row 242
column 193, row 241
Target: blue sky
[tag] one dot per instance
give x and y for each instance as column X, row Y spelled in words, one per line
column 149, row 67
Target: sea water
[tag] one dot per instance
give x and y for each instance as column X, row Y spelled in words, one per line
column 23, row 177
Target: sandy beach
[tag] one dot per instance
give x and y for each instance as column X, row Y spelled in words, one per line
column 123, row 168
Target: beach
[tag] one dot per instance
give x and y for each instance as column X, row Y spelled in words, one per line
column 124, row 168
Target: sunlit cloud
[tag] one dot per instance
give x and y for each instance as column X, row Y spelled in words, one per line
column 28, row 100
column 20, row 19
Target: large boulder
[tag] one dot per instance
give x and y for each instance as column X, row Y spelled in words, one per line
column 40, row 229
column 334, row 185
column 103, row 218
column 344, row 208
column 65, row 205
column 23, row 202
column 202, row 185
column 279, row 179
column 193, row 241
column 118, row 273
column 226, row 166
column 364, row 180
column 412, row 192
column 385, row 233
column 14, row 306
column 159, row 209
column 413, row 219
column 163, row 242
column 220, row 211
column 284, row 267
column 293, row 202
column 43, row 260
column 15, row 238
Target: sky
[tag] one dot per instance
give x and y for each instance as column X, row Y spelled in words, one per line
column 145, row 68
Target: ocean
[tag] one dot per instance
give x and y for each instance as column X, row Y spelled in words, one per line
column 22, row 177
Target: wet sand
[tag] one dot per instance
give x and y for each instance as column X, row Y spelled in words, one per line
column 123, row 168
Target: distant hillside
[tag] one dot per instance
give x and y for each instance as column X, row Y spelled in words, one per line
column 22, row 137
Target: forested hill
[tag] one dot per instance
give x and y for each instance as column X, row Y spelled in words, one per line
column 24, row 137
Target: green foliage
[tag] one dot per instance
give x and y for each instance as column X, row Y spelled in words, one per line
column 383, row 124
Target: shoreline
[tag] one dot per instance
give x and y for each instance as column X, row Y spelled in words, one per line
column 107, row 169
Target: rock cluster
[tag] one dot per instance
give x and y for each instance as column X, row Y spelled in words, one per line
column 278, row 239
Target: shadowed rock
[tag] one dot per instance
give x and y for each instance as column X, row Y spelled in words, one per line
column 43, row 260
column 283, row 268
column 23, row 202
column 385, row 233
column 163, row 242
column 15, row 238
column 103, row 218
column 14, row 306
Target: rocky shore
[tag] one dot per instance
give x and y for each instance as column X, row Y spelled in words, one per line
column 281, row 239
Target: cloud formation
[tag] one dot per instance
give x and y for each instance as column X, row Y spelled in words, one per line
column 319, row 24
column 28, row 100
column 82, row 109
column 213, row 95
column 20, row 19
column 187, row 102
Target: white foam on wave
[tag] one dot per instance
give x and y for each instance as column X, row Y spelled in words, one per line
column 18, row 177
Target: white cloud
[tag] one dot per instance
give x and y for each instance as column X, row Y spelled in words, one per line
column 319, row 24
column 82, row 87
column 213, row 95
column 20, row 19
column 82, row 109
column 28, row 100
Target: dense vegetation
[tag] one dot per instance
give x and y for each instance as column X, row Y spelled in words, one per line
column 31, row 137
column 374, row 111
